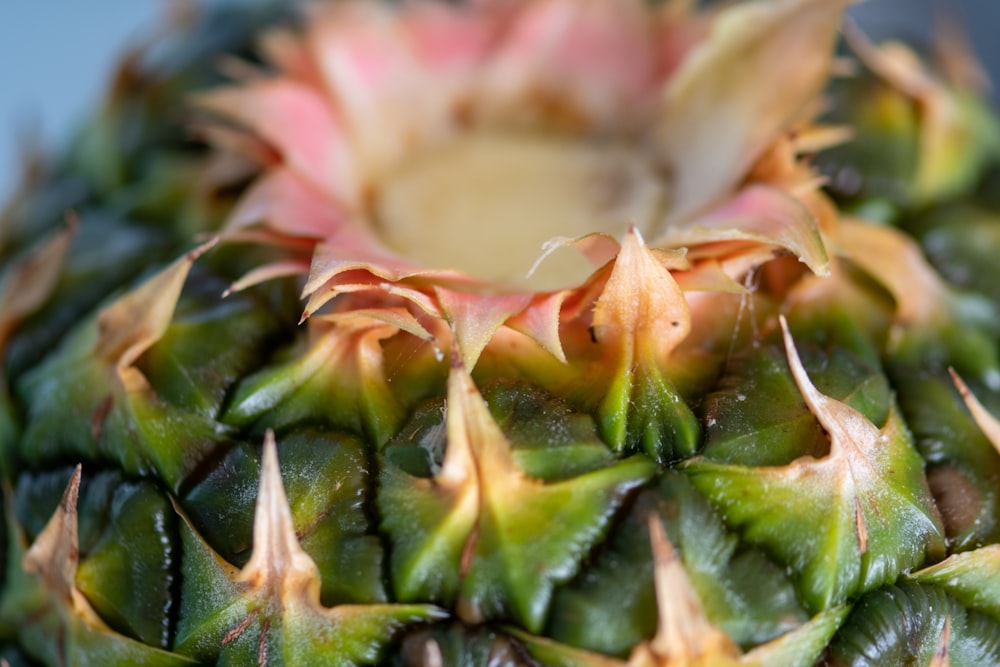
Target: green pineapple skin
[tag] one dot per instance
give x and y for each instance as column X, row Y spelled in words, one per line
column 169, row 479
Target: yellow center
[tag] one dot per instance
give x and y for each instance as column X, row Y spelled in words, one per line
column 485, row 204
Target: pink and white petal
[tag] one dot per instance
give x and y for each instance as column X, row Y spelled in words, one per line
column 354, row 248
column 299, row 122
column 400, row 318
column 364, row 282
column 597, row 53
column 288, row 204
column 744, row 86
column 448, row 38
column 375, row 80
column 761, row 214
column 268, row 272
column 679, row 28
column 228, row 141
column 540, row 321
column 474, row 318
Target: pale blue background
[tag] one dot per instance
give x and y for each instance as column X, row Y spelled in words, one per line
column 55, row 60
column 56, row 55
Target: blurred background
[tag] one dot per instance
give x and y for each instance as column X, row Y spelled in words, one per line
column 56, row 55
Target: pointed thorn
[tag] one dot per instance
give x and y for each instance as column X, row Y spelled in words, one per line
column 963, row 389
column 72, row 493
column 277, row 558
column 812, row 396
column 986, row 422
column 194, row 254
column 55, row 553
column 684, row 633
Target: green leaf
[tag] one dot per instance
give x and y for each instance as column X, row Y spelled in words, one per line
column 611, row 606
column 757, row 417
column 963, row 468
column 270, row 612
column 89, row 400
column 485, row 535
column 802, row 646
column 972, row 578
column 640, row 318
column 642, row 411
column 337, row 380
column 907, row 624
column 54, row 622
column 549, row 440
column 845, row 523
column 330, row 518
column 127, row 543
column 962, row 240
column 534, row 536
column 210, row 344
column 129, row 574
column 881, row 160
column 553, row 654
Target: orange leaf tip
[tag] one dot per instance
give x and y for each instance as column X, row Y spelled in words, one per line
column 30, row 282
column 847, row 428
column 641, row 312
column 55, row 555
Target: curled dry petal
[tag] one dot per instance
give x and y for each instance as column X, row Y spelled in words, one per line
column 898, row 263
column 130, row 325
column 759, row 214
column 27, row 284
column 315, row 145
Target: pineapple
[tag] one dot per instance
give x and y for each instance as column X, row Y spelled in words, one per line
column 615, row 349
